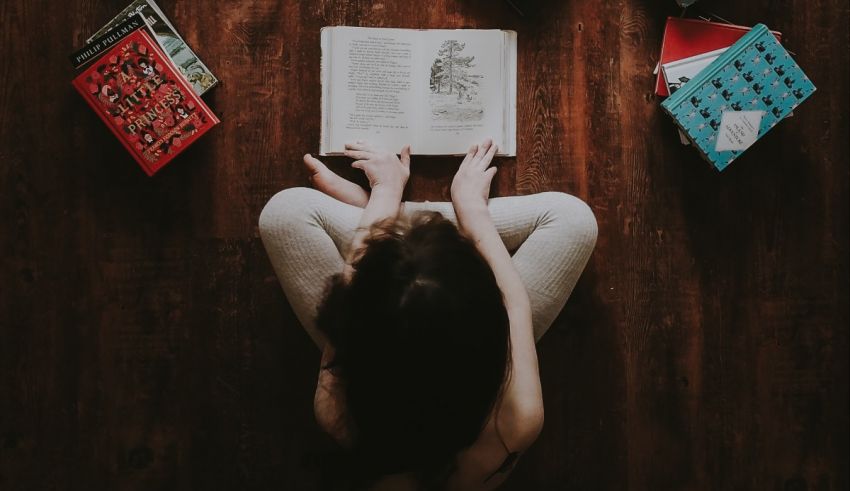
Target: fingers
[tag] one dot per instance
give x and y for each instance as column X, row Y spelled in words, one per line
column 358, row 154
column 479, row 156
column 488, row 157
column 358, row 164
column 405, row 156
column 359, row 145
column 489, row 173
column 470, row 154
column 483, row 148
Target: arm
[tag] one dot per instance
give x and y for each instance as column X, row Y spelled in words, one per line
column 519, row 418
column 550, row 236
column 387, row 176
column 521, row 411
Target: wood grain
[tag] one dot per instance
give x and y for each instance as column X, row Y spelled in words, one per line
column 145, row 342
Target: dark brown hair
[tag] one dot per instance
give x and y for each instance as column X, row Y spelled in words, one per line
column 422, row 344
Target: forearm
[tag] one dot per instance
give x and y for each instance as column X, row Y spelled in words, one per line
column 383, row 203
column 479, row 227
column 524, row 386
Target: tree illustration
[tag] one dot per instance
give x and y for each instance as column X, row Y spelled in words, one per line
column 436, row 75
column 450, row 71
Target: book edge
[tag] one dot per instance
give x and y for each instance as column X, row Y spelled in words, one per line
column 511, row 36
column 324, row 78
column 691, row 59
column 660, row 84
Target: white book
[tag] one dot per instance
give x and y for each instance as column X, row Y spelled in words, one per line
column 438, row 90
column 678, row 73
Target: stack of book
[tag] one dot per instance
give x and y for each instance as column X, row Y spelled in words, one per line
column 727, row 85
column 145, row 83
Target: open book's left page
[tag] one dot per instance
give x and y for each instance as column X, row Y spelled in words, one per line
column 367, row 87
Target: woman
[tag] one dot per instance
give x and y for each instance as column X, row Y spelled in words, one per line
column 426, row 323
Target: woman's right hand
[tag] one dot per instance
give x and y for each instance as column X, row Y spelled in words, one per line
column 471, row 185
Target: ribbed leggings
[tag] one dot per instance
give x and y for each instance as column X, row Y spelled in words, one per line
column 307, row 234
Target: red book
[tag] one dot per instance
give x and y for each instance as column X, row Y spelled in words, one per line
column 684, row 38
column 142, row 97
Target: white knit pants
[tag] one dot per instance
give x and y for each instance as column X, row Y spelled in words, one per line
column 307, row 233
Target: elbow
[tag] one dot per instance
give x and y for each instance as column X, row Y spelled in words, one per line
column 532, row 423
column 525, row 423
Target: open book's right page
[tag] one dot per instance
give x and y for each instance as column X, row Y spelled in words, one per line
column 465, row 88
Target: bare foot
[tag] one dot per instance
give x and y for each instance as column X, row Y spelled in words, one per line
column 328, row 182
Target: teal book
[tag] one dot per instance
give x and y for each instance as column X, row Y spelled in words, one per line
column 739, row 97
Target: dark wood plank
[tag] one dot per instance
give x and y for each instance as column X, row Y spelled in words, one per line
column 145, row 342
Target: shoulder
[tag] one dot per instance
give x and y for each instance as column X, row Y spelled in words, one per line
column 488, row 462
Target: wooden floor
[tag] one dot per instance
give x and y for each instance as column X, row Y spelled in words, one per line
column 146, row 344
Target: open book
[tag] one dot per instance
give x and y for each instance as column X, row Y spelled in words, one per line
column 438, row 90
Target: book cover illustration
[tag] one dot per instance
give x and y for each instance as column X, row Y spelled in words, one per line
column 192, row 68
column 140, row 95
column 739, row 97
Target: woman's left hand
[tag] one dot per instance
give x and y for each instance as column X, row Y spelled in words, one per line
column 383, row 168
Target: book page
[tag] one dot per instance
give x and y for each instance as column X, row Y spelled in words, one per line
column 370, row 95
column 460, row 85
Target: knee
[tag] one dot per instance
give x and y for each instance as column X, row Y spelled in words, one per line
column 286, row 209
column 574, row 217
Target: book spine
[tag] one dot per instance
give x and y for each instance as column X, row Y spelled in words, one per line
column 105, row 42
column 694, row 84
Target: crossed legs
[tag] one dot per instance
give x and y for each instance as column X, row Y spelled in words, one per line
column 307, row 233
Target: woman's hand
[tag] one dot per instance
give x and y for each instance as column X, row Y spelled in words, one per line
column 383, row 168
column 387, row 176
column 471, row 185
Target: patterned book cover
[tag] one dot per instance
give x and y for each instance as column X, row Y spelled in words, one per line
column 201, row 78
column 739, row 97
column 143, row 99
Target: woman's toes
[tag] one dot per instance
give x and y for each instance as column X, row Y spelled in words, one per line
column 313, row 164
